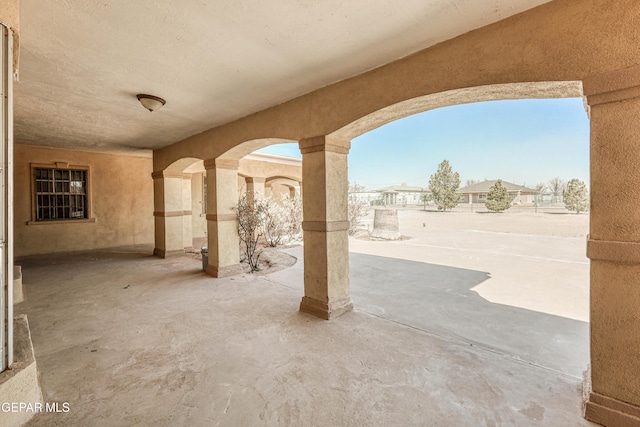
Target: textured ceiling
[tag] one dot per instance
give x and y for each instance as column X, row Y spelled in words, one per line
column 83, row 61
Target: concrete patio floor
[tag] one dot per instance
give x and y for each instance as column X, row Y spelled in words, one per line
column 130, row 339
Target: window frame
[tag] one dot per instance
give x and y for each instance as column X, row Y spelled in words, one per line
column 65, row 167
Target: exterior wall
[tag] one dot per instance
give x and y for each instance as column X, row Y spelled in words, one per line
column 277, row 190
column 525, row 198
column 408, row 198
column 371, row 198
column 253, row 166
column 121, row 197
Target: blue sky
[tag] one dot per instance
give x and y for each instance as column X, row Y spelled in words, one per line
column 522, row 141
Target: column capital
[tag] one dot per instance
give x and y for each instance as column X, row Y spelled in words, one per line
column 167, row 174
column 612, row 86
column 255, row 180
column 324, row 143
column 221, row 164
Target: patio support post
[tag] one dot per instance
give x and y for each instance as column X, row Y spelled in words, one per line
column 255, row 185
column 222, row 220
column 614, row 247
column 168, row 213
column 325, row 225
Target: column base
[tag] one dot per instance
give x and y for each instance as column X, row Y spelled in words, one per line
column 226, row 271
column 167, row 254
column 323, row 310
column 611, row 412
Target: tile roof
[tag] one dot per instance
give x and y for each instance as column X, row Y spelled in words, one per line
column 484, row 186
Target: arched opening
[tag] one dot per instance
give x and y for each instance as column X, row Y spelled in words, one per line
column 278, row 186
column 527, row 323
column 515, row 283
column 174, row 207
column 243, row 149
column 223, row 179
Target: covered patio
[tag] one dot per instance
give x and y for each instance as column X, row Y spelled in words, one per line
column 128, row 338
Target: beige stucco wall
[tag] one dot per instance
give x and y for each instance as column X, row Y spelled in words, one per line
column 564, row 40
column 121, row 191
column 279, row 190
column 269, row 169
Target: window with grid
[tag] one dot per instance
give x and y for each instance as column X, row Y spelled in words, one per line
column 60, row 194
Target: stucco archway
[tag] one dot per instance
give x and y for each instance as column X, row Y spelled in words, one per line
column 447, row 252
column 560, row 41
column 496, row 92
column 173, row 208
column 273, row 185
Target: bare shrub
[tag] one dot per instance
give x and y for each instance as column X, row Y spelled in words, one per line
column 357, row 209
column 275, row 222
column 293, row 212
column 251, row 214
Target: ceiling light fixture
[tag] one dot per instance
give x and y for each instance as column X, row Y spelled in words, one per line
column 150, row 102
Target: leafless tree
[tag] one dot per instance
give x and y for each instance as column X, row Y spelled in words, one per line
column 357, row 208
column 251, row 214
column 541, row 187
column 557, row 187
column 471, row 182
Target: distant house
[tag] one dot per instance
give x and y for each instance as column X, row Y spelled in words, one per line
column 477, row 193
column 401, row 195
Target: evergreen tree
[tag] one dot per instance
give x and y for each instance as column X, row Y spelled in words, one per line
column 443, row 186
column 498, row 198
column 576, row 196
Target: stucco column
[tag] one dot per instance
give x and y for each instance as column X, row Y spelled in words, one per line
column 325, row 224
column 168, row 213
column 255, row 185
column 187, row 213
column 222, row 221
column 614, row 247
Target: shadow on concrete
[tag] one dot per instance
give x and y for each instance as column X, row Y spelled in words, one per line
column 439, row 300
column 433, row 298
column 142, row 341
column 126, row 253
